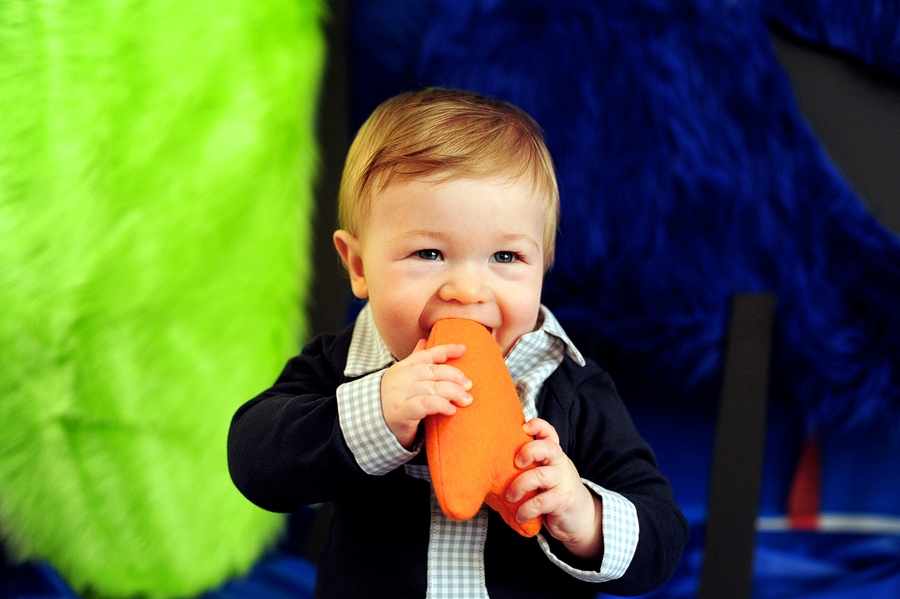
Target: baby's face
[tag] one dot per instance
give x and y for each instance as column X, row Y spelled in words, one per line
column 465, row 248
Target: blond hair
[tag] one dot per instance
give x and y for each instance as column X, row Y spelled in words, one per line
column 446, row 134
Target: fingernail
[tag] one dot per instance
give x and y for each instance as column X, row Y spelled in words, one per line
column 467, row 385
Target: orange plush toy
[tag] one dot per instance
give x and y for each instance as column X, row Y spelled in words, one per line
column 471, row 454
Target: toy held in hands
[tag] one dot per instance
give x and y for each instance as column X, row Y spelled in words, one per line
column 471, row 454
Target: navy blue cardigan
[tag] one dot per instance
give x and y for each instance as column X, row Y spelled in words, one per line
column 286, row 450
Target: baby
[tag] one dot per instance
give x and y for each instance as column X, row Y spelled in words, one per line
column 448, row 208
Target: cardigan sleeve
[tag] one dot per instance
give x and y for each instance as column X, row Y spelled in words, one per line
column 285, row 446
column 597, row 433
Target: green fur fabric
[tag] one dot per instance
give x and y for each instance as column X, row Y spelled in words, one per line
column 156, row 171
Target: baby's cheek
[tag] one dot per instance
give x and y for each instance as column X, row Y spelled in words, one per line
column 399, row 334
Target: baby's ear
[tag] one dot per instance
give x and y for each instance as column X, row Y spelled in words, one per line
column 348, row 247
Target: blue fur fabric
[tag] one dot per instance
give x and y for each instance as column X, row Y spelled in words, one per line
column 868, row 30
column 687, row 175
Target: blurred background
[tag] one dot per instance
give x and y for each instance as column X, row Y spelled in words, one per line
column 168, row 175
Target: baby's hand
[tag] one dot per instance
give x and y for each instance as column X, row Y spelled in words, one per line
column 421, row 385
column 573, row 514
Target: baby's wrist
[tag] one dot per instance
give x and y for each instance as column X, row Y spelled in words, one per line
column 590, row 547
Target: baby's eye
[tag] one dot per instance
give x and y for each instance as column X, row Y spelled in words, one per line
column 504, row 257
column 429, row 254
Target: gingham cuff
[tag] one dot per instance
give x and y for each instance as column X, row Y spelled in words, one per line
column 620, row 538
column 374, row 446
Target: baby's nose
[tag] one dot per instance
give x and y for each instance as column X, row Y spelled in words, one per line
column 465, row 287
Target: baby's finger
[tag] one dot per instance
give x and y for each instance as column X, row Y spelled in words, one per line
column 420, row 406
column 541, row 429
column 542, row 504
column 543, row 452
column 441, row 353
column 449, row 390
column 532, row 480
column 419, row 354
column 433, row 373
column 532, row 508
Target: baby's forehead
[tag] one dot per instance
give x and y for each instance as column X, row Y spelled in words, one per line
column 427, row 181
column 393, row 201
column 401, row 191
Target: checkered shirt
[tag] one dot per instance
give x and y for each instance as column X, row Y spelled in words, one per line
column 456, row 549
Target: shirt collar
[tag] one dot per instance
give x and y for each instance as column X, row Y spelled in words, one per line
column 552, row 327
column 368, row 353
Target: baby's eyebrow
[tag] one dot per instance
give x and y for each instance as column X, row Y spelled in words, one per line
column 513, row 237
column 439, row 236
column 421, row 233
